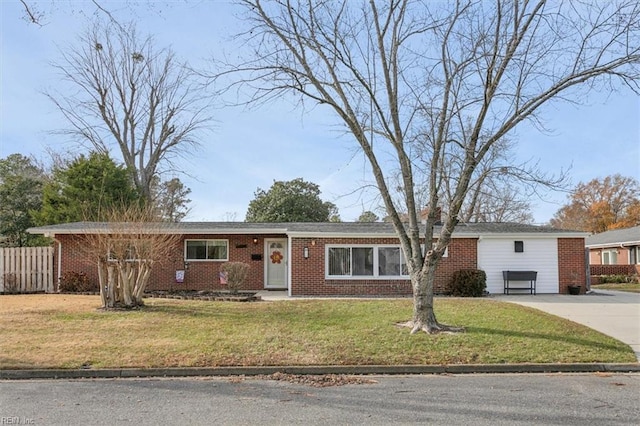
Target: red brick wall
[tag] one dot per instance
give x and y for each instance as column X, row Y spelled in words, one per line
column 74, row 259
column 308, row 275
column 200, row 275
column 614, row 269
column 571, row 264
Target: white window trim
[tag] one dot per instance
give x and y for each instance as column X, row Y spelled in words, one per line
column 186, row 259
column 375, row 275
column 376, row 264
column 610, row 254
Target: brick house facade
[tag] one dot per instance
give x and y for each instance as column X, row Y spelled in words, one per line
column 332, row 259
column 615, row 252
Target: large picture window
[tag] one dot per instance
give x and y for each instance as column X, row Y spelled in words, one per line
column 365, row 262
column 206, row 250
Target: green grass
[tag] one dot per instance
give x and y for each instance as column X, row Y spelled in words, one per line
column 49, row 331
column 630, row 287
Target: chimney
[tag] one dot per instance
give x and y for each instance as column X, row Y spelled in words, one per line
column 438, row 215
column 425, row 213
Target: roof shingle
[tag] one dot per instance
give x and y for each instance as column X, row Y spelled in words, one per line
column 299, row 228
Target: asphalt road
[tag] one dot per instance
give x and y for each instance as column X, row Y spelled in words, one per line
column 527, row 399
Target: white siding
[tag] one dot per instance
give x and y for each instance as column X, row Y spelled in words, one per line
column 540, row 254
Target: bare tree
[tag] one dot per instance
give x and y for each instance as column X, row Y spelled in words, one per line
column 125, row 248
column 40, row 12
column 497, row 201
column 433, row 86
column 170, row 199
column 500, row 189
column 127, row 94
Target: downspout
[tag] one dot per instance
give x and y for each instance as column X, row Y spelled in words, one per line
column 59, row 262
column 587, row 261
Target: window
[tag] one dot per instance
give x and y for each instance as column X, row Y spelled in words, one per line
column 350, row 261
column 519, row 246
column 206, row 250
column 610, row 257
column 391, row 262
column 365, row 262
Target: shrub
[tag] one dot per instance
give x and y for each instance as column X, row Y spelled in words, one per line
column 617, row 279
column 11, row 283
column 468, row 283
column 76, row 282
column 236, row 274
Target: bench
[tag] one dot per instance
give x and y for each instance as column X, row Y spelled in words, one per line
column 520, row 276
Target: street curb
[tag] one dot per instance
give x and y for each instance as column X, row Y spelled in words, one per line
column 112, row 373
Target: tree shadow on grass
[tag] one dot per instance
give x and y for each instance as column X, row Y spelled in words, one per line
column 567, row 338
column 9, row 363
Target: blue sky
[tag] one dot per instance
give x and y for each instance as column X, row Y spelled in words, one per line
column 250, row 149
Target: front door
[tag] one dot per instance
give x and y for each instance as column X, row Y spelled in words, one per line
column 276, row 261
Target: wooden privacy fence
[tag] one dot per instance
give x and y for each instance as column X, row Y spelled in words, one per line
column 26, row 270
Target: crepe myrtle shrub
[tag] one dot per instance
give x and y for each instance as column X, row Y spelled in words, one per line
column 236, row 274
column 76, row 282
column 126, row 246
column 468, row 283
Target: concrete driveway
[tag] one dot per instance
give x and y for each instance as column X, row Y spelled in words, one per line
column 614, row 313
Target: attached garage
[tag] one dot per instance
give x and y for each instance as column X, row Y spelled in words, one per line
column 518, row 253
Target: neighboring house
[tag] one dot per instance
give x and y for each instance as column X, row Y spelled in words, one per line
column 616, row 247
column 341, row 259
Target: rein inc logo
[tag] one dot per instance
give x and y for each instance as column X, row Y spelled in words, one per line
column 15, row 420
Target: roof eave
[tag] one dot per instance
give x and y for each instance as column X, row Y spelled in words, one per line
column 616, row 244
column 531, row 235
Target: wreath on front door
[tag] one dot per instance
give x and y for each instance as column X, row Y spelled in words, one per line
column 276, row 257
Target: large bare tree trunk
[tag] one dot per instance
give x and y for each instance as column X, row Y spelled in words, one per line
column 424, row 317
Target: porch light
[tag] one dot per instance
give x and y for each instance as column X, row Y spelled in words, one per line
column 305, row 252
column 255, row 240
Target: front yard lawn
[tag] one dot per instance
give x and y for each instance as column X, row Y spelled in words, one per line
column 630, row 287
column 68, row 331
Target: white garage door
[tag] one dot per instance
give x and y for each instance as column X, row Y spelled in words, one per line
column 538, row 254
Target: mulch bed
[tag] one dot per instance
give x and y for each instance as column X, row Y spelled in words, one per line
column 242, row 296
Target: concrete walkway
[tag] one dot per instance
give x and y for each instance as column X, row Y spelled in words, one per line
column 614, row 313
